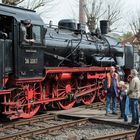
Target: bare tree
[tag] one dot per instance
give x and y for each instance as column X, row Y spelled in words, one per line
column 109, row 10
column 12, row 2
column 135, row 24
column 35, row 4
column 29, row 4
column 113, row 13
column 93, row 13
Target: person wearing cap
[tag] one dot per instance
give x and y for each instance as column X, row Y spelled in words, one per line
column 25, row 24
column 134, row 94
column 3, row 35
column 111, row 89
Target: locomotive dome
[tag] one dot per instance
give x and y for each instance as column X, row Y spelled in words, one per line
column 67, row 24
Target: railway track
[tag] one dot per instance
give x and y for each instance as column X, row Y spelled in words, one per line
column 38, row 118
column 43, row 117
column 54, row 125
column 37, row 131
column 128, row 135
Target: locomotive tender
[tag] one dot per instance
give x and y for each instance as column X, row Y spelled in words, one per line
column 65, row 65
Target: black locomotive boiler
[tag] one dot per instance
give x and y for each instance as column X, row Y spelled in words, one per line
column 69, row 46
column 63, row 66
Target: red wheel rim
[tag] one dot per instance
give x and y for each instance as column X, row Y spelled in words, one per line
column 102, row 95
column 26, row 99
column 89, row 97
column 62, row 89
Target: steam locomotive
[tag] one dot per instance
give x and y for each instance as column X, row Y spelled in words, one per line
column 65, row 65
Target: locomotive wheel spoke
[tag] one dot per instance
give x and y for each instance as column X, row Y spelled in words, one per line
column 60, row 90
column 89, row 97
column 26, row 98
column 21, row 99
column 101, row 94
column 62, row 94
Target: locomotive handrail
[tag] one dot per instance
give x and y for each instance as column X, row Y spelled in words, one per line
column 77, row 46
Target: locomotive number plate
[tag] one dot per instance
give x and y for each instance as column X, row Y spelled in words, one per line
column 31, row 60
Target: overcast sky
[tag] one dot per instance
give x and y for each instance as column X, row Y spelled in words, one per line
column 61, row 10
column 68, row 9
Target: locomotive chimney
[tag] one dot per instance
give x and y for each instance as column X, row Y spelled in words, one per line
column 82, row 14
column 104, row 24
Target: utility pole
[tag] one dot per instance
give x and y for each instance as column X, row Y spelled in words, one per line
column 82, row 14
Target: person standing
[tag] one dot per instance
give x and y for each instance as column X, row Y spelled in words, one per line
column 137, row 135
column 134, row 94
column 111, row 88
column 124, row 100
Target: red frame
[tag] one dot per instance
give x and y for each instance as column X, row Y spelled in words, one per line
column 60, row 74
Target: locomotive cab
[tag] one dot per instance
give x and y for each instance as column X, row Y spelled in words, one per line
column 18, row 58
column 31, row 65
column 6, row 49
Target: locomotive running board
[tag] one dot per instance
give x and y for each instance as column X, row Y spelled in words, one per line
column 75, row 69
column 29, row 80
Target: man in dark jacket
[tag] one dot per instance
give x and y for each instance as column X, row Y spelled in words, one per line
column 111, row 84
column 137, row 135
column 134, row 94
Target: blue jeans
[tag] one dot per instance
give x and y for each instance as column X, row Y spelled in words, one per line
column 124, row 107
column 114, row 103
column 134, row 110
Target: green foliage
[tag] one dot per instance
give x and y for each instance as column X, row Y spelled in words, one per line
column 126, row 35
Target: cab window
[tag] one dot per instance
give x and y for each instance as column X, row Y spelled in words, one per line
column 36, row 33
